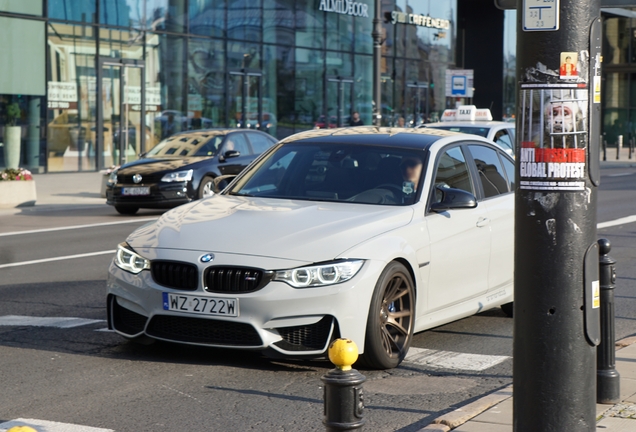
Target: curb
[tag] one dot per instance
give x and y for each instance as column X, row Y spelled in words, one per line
column 463, row 414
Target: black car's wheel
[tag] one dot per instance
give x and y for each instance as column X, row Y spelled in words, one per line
column 126, row 210
column 206, row 187
column 391, row 319
column 508, row 309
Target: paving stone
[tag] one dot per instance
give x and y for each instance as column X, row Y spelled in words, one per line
column 435, row 428
column 467, row 412
column 499, row 414
column 483, row 427
column 614, row 424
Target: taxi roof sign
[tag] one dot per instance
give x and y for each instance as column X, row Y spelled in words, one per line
column 467, row 113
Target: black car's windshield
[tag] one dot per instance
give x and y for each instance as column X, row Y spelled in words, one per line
column 336, row 172
column 187, row 145
column 475, row 130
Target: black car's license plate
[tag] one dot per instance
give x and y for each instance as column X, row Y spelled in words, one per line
column 140, row 190
column 200, row 305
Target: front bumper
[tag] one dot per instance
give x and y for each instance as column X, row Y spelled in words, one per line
column 162, row 195
column 277, row 318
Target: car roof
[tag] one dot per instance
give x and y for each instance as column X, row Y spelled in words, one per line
column 419, row 138
column 212, row 131
column 487, row 124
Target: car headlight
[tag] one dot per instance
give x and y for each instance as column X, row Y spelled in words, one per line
column 177, row 176
column 127, row 259
column 112, row 178
column 320, row 275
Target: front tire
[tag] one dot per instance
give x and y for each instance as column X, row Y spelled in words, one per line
column 391, row 319
column 206, row 187
column 125, row 210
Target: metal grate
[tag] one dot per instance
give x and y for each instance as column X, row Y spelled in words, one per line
column 174, row 274
column 145, row 178
column 235, row 279
column 306, row 338
column 203, row 331
column 127, row 321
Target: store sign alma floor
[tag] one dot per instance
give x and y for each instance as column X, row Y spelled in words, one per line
column 346, row 7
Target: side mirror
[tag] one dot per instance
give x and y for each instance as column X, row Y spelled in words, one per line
column 221, row 182
column 454, row 199
column 142, row 155
column 229, row 154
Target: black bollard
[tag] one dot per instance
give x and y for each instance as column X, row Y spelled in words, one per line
column 604, row 150
column 607, row 377
column 631, row 147
column 343, row 397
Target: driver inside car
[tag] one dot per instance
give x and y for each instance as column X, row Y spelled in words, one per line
column 411, row 171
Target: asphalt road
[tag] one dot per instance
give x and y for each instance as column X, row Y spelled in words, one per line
column 87, row 376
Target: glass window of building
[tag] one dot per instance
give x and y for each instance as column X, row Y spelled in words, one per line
column 207, row 17
column 278, row 91
column 278, row 21
column 309, row 78
column 26, row 7
column 168, row 15
column 71, row 10
column 310, row 25
column 244, row 20
column 206, row 83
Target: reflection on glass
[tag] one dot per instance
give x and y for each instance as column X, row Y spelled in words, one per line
column 207, row 17
column 71, row 92
column 206, row 83
column 308, row 103
column 244, row 20
column 70, row 10
column 309, row 25
column 278, row 21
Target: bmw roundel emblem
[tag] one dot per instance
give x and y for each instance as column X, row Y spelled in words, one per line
column 137, row 178
column 207, row 258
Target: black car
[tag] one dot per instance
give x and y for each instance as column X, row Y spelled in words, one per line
column 183, row 167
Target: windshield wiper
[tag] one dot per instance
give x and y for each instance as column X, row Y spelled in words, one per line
column 240, row 194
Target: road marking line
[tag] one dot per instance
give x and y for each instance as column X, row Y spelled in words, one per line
column 105, row 329
column 621, row 221
column 61, row 258
column 43, row 230
column 453, row 360
column 58, row 322
column 50, row 426
column 620, row 174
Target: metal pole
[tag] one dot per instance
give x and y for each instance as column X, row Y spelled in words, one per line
column 604, row 150
column 631, row 147
column 556, row 255
column 343, row 398
column 377, row 59
column 607, row 377
column 619, row 147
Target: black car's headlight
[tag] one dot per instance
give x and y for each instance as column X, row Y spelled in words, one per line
column 127, row 259
column 320, row 275
column 177, row 176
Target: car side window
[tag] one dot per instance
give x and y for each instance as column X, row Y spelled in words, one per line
column 510, row 171
column 503, row 139
column 259, row 142
column 452, row 172
column 491, row 172
column 237, row 142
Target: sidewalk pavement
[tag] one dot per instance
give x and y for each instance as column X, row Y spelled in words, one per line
column 493, row 413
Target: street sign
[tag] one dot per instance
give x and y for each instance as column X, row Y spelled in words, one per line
column 459, row 83
column 540, row 15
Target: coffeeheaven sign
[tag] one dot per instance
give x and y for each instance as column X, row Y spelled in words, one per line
column 396, row 17
column 345, row 7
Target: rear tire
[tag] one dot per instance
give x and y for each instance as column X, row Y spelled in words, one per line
column 391, row 319
column 508, row 309
column 125, row 210
column 206, row 187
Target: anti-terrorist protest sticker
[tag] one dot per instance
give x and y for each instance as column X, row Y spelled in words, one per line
column 553, row 139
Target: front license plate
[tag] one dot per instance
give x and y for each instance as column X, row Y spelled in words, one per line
column 200, row 305
column 145, row 190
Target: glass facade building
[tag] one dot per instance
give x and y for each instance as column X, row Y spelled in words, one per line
column 87, row 84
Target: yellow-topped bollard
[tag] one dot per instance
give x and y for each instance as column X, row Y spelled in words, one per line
column 343, row 400
column 343, row 353
column 22, row 429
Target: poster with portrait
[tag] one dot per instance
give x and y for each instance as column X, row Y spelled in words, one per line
column 568, row 68
column 553, row 138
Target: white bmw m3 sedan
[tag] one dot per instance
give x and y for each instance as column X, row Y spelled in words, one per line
column 367, row 233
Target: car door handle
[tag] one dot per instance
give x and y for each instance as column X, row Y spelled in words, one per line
column 482, row 222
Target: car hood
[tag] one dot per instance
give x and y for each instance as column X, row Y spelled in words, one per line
column 289, row 229
column 155, row 165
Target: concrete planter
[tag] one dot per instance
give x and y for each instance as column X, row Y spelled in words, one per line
column 18, row 193
column 12, row 138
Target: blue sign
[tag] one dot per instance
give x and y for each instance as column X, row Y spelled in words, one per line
column 458, row 85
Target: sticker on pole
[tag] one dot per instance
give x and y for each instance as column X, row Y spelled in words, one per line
column 540, row 15
column 596, row 294
column 553, row 139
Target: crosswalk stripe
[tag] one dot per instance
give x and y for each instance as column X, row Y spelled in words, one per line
column 59, row 322
column 49, row 426
column 453, row 360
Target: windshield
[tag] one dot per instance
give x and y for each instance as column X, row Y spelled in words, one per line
column 336, row 173
column 475, row 130
column 187, row 145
